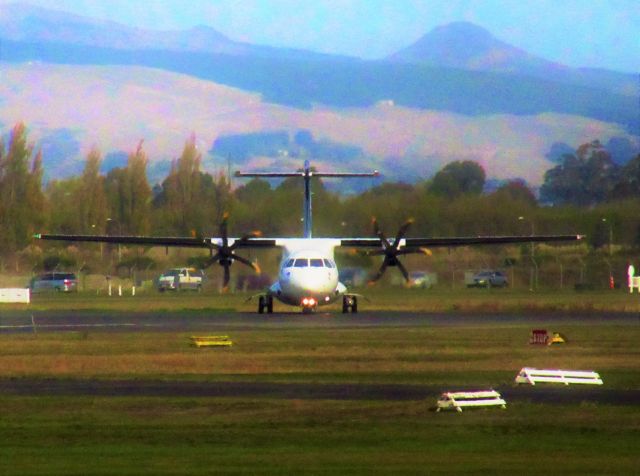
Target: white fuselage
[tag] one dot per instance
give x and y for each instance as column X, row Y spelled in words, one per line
column 308, row 275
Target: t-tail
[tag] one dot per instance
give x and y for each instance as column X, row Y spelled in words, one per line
column 306, row 173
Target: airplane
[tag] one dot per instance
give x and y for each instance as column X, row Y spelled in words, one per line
column 308, row 274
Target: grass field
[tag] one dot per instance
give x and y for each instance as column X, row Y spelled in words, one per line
column 377, row 297
column 80, row 435
column 250, row 435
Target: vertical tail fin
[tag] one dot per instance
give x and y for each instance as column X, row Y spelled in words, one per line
column 306, row 173
column 308, row 225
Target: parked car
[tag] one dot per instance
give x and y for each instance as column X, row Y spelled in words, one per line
column 353, row 277
column 180, row 278
column 420, row 279
column 488, row 279
column 54, row 281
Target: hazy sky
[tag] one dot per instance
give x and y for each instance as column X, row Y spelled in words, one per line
column 598, row 33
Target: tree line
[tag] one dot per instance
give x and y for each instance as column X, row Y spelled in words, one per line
column 587, row 193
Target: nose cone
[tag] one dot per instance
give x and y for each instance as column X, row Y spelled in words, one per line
column 311, row 282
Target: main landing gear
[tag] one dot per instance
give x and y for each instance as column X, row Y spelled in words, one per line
column 265, row 303
column 349, row 304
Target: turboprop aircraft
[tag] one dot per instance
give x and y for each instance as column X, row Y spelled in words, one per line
column 308, row 275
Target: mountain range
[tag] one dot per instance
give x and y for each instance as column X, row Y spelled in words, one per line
column 24, row 23
column 457, row 93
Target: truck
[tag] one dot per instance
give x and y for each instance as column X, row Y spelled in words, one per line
column 176, row 279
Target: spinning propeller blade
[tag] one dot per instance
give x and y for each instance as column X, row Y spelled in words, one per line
column 391, row 251
column 225, row 254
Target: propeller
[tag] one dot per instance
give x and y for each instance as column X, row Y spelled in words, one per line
column 391, row 251
column 225, row 254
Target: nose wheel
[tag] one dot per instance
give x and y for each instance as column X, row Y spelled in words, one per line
column 265, row 304
column 349, row 304
column 308, row 309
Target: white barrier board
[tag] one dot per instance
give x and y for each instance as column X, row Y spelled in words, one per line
column 458, row 400
column 531, row 376
column 11, row 295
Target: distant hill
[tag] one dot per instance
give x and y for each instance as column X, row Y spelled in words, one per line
column 467, row 46
column 23, row 23
column 459, row 68
column 78, row 81
column 70, row 108
column 340, row 82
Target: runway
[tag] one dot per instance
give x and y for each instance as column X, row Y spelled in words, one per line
column 199, row 321
column 72, row 320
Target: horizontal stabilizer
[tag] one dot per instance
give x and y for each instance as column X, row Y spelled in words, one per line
column 302, row 173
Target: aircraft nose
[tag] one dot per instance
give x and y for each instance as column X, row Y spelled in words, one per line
column 313, row 282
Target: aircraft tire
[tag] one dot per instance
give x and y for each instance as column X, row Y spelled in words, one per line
column 261, row 304
column 349, row 304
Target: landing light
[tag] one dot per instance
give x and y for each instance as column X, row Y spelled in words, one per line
column 308, row 302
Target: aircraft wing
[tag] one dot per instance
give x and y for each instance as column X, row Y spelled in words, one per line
column 186, row 242
column 201, row 242
column 448, row 242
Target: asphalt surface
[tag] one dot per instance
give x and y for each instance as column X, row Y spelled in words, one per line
column 389, row 392
column 23, row 322
column 60, row 321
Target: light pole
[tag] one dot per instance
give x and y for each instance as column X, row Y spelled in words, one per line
column 93, row 230
column 608, row 261
column 604, row 220
column 533, row 278
column 111, row 220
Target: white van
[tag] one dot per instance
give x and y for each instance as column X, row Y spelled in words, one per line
column 180, row 278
